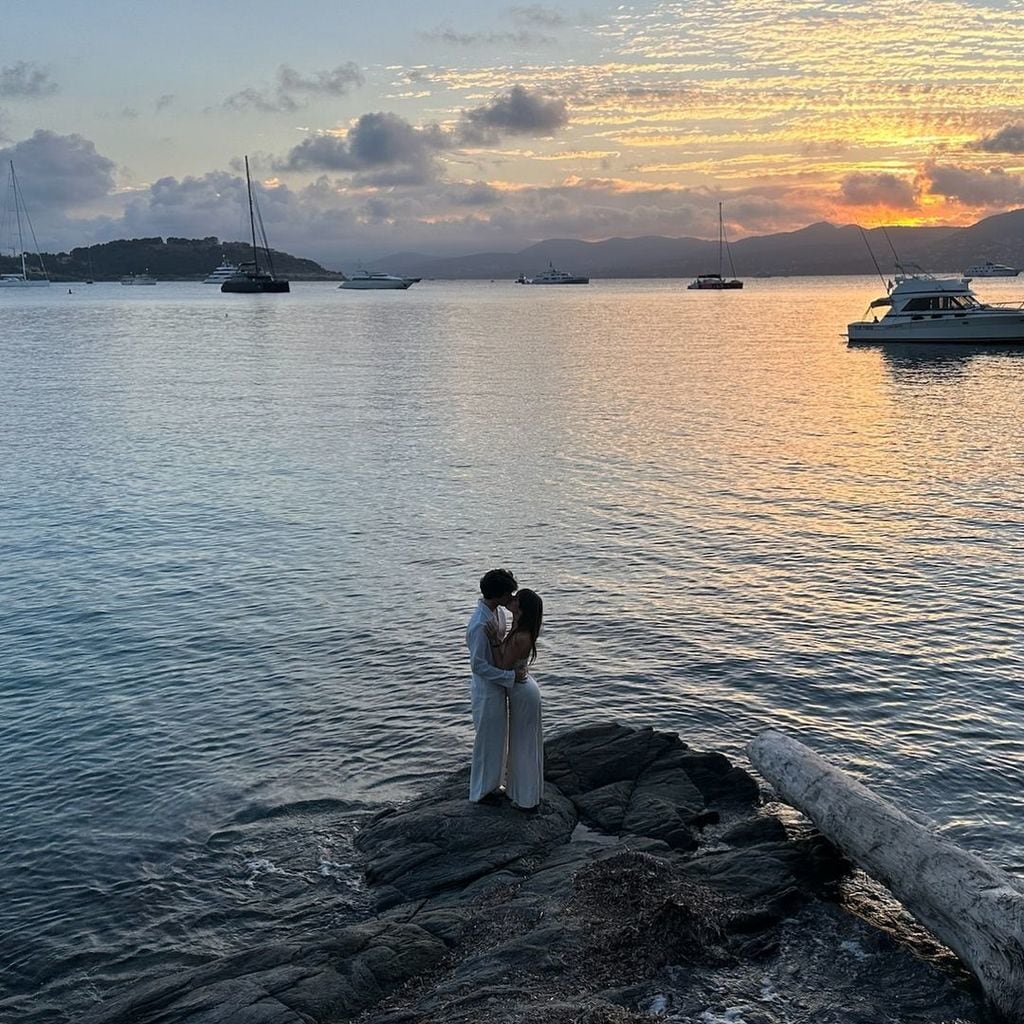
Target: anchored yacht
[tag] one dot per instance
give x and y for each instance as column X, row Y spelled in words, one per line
column 920, row 307
column 14, row 212
column 553, row 276
column 990, row 269
column 367, row 280
column 224, row 272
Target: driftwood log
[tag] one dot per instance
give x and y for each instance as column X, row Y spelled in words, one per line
column 975, row 909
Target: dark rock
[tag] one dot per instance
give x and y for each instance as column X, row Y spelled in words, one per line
column 753, row 874
column 705, row 818
column 592, row 911
column 638, row 781
column 444, row 842
column 762, row 829
column 284, row 984
column 718, row 780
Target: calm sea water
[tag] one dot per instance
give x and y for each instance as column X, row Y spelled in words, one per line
column 241, row 536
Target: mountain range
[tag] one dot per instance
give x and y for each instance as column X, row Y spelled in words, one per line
column 820, row 248
column 817, row 249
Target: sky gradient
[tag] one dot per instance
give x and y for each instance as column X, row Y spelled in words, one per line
column 455, row 127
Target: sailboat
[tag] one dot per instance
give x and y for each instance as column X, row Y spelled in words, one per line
column 13, row 213
column 250, row 278
column 715, row 282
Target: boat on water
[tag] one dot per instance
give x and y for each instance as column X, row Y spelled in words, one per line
column 14, row 214
column 222, row 273
column 250, row 277
column 553, row 276
column 367, row 280
column 138, row 279
column 922, row 308
column 990, row 269
column 716, row 282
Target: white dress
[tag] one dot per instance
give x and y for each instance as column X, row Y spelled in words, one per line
column 525, row 780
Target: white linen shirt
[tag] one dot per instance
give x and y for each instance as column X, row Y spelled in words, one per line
column 481, row 660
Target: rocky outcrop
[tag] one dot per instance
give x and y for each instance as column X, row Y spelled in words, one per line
column 651, row 881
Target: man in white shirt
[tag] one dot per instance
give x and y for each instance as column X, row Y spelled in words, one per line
column 489, row 688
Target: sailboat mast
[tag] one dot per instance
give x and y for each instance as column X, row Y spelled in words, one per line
column 252, row 219
column 719, row 239
column 17, row 217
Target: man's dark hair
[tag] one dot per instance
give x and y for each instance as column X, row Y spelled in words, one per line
column 497, row 583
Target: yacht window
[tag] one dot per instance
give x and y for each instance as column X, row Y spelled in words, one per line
column 937, row 303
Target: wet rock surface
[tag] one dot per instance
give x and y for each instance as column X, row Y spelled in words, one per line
column 651, row 885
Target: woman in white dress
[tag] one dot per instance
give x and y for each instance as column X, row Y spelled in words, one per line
column 524, row 784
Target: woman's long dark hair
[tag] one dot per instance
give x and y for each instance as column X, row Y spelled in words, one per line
column 531, row 615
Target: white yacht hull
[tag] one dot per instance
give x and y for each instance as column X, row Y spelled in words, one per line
column 13, row 283
column 570, row 280
column 374, row 285
column 1004, row 328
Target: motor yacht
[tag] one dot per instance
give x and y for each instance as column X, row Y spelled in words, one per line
column 553, row 276
column 990, row 269
column 366, row 280
column 936, row 310
column 138, row 279
column 223, row 273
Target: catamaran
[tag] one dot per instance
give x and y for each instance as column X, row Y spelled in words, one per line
column 250, row 278
column 715, row 282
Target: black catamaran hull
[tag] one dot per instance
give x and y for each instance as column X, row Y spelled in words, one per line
column 251, row 286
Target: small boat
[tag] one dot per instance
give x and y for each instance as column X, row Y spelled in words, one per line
column 138, row 279
column 250, row 279
column 716, row 282
column 553, row 276
column 222, row 273
column 14, row 213
column 366, row 280
column 922, row 308
column 990, row 269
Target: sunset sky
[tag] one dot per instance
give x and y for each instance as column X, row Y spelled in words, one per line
column 461, row 126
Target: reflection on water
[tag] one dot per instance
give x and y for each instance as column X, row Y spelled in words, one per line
column 940, row 361
column 241, row 537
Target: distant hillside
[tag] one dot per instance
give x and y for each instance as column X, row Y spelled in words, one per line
column 817, row 249
column 176, row 259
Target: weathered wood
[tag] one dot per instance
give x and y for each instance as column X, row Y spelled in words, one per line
column 972, row 907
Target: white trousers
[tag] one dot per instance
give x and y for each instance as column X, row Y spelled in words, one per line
column 490, row 720
column 525, row 745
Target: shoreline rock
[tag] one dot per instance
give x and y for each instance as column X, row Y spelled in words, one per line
column 651, row 885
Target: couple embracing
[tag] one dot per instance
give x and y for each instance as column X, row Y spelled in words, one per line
column 508, row 752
